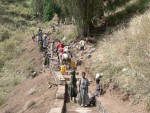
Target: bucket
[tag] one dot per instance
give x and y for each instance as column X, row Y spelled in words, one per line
column 62, row 68
column 72, row 64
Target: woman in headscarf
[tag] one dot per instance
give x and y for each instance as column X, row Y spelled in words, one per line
column 73, row 86
column 83, row 89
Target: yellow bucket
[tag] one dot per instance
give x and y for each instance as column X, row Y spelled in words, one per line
column 72, row 64
column 62, row 68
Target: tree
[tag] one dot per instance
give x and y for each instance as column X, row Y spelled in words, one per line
column 48, row 10
column 84, row 11
column 37, row 6
column 45, row 9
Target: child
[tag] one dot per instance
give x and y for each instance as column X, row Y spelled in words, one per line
column 96, row 93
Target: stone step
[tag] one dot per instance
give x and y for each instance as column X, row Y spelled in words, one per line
column 58, row 103
column 67, row 77
column 60, row 77
column 56, row 110
column 68, row 72
column 60, row 94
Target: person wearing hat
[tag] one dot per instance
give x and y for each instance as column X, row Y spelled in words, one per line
column 73, row 86
column 98, row 76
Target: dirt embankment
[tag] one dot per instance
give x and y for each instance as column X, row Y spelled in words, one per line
column 32, row 95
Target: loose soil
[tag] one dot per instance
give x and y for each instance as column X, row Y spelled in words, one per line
column 32, row 95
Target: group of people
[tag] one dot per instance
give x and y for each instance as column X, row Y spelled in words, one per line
column 64, row 57
column 64, row 53
column 42, row 40
column 83, row 90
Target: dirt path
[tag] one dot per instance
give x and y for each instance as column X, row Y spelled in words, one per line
column 75, row 108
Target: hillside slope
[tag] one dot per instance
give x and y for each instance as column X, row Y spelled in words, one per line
column 14, row 15
column 124, row 58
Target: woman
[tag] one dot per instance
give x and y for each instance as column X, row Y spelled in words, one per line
column 73, row 86
column 83, row 89
column 46, row 61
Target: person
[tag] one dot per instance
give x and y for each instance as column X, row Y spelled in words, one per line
column 58, row 46
column 46, row 61
column 98, row 76
column 52, row 48
column 82, row 44
column 105, row 25
column 73, row 86
column 40, row 45
column 44, row 41
column 65, row 58
column 33, row 37
column 60, row 52
column 96, row 93
column 66, row 48
column 40, row 34
column 83, row 89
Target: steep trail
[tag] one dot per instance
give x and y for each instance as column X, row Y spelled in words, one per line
column 71, row 107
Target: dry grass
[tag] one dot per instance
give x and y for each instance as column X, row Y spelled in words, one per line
column 15, row 59
column 68, row 31
column 125, row 56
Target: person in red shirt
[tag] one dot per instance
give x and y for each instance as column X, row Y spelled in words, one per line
column 60, row 44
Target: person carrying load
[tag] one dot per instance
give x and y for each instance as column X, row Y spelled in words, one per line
column 98, row 89
column 65, row 58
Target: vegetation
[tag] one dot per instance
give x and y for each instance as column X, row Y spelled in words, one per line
column 15, row 14
column 123, row 56
column 45, row 9
column 86, row 11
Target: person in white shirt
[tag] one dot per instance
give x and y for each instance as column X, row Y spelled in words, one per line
column 66, row 49
column 65, row 57
column 82, row 44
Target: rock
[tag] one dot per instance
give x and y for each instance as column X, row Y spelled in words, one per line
column 49, row 86
column 92, row 50
column 124, row 69
column 34, row 74
column 91, row 40
column 88, row 56
column 126, row 96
